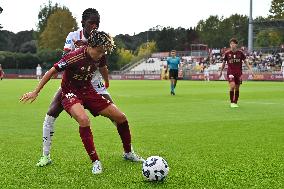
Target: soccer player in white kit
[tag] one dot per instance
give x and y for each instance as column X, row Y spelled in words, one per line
column 206, row 73
column 38, row 72
column 90, row 20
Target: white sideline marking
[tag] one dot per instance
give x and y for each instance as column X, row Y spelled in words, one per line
column 264, row 103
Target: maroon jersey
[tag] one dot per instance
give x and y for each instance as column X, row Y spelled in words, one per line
column 78, row 69
column 234, row 61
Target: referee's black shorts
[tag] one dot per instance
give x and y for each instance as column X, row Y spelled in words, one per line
column 173, row 74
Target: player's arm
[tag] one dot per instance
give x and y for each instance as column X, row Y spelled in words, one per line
column 222, row 68
column 104, row 72
column 249, row 67
column 31, row 96
column 167, row 66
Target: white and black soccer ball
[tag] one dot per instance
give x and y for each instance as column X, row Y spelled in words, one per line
column 155, row 168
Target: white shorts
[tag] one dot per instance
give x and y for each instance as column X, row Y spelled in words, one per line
column 100, row 88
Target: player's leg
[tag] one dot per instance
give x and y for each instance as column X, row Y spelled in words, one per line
column 53, row 112
column 172, row 86
column 238, row 82
column 108, row 97
column 232, row 92
column 171, row 77
column 237, row 93
column 175, row 78
column 113, row 113
column 78, row 112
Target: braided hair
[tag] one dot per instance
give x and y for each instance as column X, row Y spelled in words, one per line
column 100, row 38
column 88, row 13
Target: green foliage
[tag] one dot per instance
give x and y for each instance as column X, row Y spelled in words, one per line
column 277, row 9
column 59, row 24
column 167, row 39
column 209, row 31
column 45, row 57
column 207, row 144
column 146, row 49
column 23, row 41
column 30, row 46
column 112, row 60
column 124, row 57
column 7, row 60
column 216, row 32
column 49, row 57
column 262, row 39
column 6, row 40
column 275, row 38
column 43, row 15
column 11, row 60
column 23, row 37
column 269, row 38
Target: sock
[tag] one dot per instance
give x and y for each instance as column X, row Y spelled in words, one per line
column 237, row 93
column 47, row 133
column 87, row 139
column 175, row 84
column 124, row 133
column 172, row 87
column 232, row 96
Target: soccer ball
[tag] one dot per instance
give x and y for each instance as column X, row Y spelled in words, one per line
column 155, row 168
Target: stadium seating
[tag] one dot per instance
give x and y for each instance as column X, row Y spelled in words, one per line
column 150, row 65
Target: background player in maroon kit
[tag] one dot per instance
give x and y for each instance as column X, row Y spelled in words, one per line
column 1, row 72
column 234, row 58
column 78, row 93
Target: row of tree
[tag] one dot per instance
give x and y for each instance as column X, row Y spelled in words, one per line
column 55, row 22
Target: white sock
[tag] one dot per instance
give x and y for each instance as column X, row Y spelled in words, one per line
column 47, row 133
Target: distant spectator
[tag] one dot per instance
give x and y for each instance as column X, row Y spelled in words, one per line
column 38, row 72
column 206, row 73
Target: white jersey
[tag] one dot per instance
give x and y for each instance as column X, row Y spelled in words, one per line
column 97, row 80
column 38, row 70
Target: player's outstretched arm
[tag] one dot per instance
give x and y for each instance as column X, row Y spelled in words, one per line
column 31, row 96
column 249, row 67
column 104, row 72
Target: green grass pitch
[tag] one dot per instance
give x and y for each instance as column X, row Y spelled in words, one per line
column 206, row 143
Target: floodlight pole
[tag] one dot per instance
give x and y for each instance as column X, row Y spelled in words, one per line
column 250, row 30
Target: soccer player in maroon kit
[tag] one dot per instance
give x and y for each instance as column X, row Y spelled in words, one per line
column 234, row 58
column 78, row 94
column 1, row 72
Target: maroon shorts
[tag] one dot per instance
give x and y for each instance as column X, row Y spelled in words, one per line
column 90, row 99
column 234, row 78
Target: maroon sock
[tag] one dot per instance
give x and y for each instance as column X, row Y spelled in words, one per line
column 232, row 96
column 124, row 132
column 87, row 139
column 237, row 93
